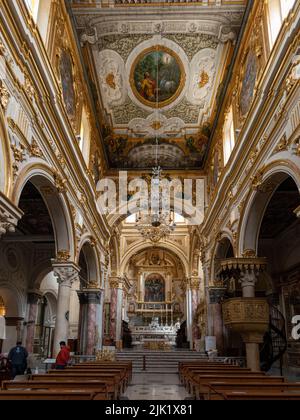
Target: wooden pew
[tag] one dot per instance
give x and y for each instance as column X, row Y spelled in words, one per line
column 216, row 389
column 121, row 377
column 123, row 371
column 52, row 395
column 113, row 386
column 259, row 395
column 98, row 388
column 107, row 365
column 186, row 366
column 190, row 378
column 189, row 373
column 201, row 386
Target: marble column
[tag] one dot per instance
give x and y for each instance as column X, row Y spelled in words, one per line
column 216, row 295
column 195, row 285
column 33, row 300
column 189, row 315
column 94, row 325
column 141, row 287
column 82, row 325
column 116, row 309
column 67, row 273
column 248, row 281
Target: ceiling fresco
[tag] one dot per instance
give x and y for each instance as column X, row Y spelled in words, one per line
column 156, row 76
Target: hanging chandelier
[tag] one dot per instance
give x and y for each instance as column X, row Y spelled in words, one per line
column 158, row 223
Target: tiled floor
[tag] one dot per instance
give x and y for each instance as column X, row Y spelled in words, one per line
column 154, row 387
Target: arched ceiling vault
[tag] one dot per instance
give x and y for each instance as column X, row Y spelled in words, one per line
column 155, row 72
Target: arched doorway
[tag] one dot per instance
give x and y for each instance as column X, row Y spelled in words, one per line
column 32, row 245
column 26, row 255
column 270, row 229
column 279, row 241
column 156, row 298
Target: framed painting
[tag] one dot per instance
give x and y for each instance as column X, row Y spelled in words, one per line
column 155, row 289
column 67, row 83
column 157, row 77
column 248, row 83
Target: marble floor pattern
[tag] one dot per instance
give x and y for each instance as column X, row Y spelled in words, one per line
column 156, row 387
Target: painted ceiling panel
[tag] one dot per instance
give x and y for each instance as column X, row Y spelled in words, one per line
column 157, row 75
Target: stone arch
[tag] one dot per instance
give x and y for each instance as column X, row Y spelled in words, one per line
column 92, row 261
column 39, row 273
column 114, row 257
column 13, row 299
column 5, row 158
column 57, row 204
column 251, row 219
column 168, row 246
column 221, row 250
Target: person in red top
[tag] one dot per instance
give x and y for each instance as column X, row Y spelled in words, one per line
column 63, row 356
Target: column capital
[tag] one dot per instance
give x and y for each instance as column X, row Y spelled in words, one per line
column 115, row 282
column 194, row 283
column 89, row 296
column 34, row 296
column 9, row 215
column 66, row 272
column 248, row 278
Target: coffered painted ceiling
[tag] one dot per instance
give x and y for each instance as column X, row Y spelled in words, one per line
column 156, row 72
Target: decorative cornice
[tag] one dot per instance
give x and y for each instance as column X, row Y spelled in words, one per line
column 9, row 215
column 244, row 264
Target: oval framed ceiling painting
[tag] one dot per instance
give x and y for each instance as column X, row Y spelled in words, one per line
column 157, row 77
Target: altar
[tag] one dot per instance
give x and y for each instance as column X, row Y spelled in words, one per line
column 155, row 336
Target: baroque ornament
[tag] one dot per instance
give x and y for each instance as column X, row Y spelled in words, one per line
column 122, row 44
column 193, row 43
column 123, row 114
column 63, row 256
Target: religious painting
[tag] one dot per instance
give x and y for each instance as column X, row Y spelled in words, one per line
column 67, row 82
column 248, row 84
column 155, row 289
column 157, row 77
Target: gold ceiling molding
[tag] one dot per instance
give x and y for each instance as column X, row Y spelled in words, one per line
column 297, row 147
column 35, row 150
column 60, row 182
column 4, row 96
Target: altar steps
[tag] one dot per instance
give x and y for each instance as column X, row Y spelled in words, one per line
column 158, row 361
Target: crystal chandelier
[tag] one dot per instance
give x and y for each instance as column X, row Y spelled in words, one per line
column 157, row 223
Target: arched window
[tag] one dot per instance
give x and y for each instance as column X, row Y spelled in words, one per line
column 228, row 136
column 40, row 11
column 85, row 135
column 2, row 307
column 33, row 6
column 278, row 10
